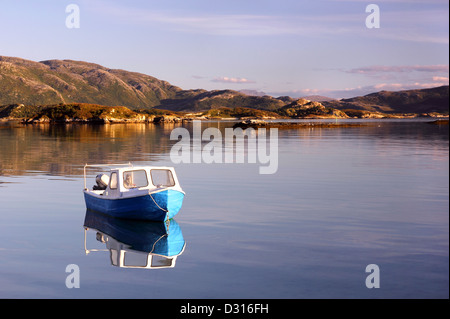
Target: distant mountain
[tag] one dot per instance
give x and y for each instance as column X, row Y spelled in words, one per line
column 408, row 101
column 253, row 92
column 318, row 98
column 200, row 100
column 55, row 82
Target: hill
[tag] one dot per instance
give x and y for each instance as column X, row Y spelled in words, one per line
column 201, row 100
column 93, row 113
column 66, row 81
column 303, row 108
column 408, row 101
column 72, row 112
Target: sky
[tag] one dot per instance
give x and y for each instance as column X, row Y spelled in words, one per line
column 278, row 47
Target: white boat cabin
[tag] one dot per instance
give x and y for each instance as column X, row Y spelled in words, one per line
column 133, row 180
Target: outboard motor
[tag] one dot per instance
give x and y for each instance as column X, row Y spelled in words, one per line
column 102, row 181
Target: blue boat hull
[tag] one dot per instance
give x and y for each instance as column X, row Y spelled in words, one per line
column 158, row 206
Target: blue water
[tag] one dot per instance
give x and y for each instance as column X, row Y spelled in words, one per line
column 341, row 199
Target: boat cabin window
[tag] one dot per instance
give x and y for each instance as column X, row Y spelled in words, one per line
column 161, row 261
column 113, row 181
column 133, row 259
column 162, row 177
column 134, row 179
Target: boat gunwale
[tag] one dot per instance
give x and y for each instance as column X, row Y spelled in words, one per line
column 100, row 196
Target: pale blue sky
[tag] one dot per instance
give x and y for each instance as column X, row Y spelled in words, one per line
column 280, row 47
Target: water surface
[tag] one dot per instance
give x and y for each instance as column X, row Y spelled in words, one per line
column 341, row 199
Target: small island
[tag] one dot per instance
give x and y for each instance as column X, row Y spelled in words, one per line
column 85, row 113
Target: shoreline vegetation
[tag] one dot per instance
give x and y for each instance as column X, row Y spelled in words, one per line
column 99, row 114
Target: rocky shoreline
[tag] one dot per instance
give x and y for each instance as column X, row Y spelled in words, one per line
column 290, row 125
column 110, row 120
column 253, row 122
column 96, row 114
column 246, row 123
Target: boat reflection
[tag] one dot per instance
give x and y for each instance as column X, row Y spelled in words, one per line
column 136, row 244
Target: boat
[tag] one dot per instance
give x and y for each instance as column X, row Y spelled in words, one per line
column 135, row 192
column 134, row 243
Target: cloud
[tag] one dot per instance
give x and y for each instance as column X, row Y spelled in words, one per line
column 377, row 69
column 388, row 86
column 364, row 90
column 416, row 24
column 407, row 86
column 197, row 23
column 398, row 1
column 440, row 78
column 410, row 74
column 225, row 79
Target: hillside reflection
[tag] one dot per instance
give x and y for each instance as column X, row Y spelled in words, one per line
column 63, row 149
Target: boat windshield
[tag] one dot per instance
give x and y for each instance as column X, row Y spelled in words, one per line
column 134, row 179
column 162, row 177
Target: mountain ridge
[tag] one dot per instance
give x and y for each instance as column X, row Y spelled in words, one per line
column 405, row 101
column 52, row 82
column 68, row 81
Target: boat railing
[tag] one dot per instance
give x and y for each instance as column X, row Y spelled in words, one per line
column 101, row 165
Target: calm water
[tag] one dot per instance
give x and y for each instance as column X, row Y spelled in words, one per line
column 341, row 199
